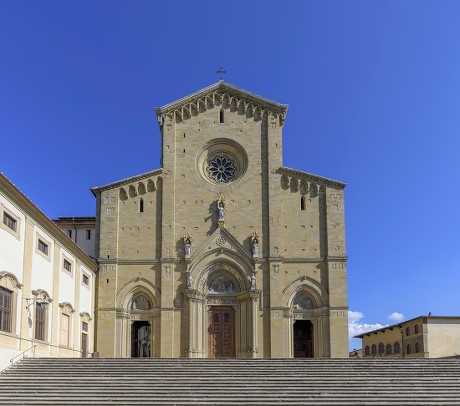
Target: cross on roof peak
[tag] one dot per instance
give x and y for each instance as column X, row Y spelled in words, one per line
column 221, row 71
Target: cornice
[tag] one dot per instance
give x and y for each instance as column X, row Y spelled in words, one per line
column 337, row 259
column 115, row 261
column 310, row 177
column 303, row 260
column 208, row 97
column 126, row 181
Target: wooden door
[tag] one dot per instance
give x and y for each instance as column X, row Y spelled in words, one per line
column 303, row 339
column 84, row 345
column 221, row 332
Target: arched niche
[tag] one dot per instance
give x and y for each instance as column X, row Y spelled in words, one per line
column 303, row 187
column 313, row 190
column 294, row 185
column 132, row 191
column 141, row 189
column 284, row 182
column 140, row 301
column 315, row 291
column 150, row 186
column 123, row 195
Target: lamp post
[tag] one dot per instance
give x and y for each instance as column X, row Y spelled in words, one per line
column 402, row 340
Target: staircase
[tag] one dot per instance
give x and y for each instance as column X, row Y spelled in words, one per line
column 104, row 381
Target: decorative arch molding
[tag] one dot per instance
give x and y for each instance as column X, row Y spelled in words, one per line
column 135, row 287
column 222, row 268
column 86, row 316
column 43, row 293
column 311, row 287
column 222, row 256
column 68, row 305
column 224, row 95
column 12, row 277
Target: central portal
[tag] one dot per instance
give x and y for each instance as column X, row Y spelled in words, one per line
column 221, row 332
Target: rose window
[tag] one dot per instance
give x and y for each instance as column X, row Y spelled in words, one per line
column 221, row 169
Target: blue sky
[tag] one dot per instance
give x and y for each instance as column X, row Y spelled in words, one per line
column 373, row 89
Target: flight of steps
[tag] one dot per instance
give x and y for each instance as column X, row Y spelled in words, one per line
column 104, row 381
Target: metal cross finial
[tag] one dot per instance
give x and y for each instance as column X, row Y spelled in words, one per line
column 221, row 71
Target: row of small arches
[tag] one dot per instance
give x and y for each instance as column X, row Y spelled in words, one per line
column 303, row 187
column 139, row 190
column 389, row 349
column 225, row 100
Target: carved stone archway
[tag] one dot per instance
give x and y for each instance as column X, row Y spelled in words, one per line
column 222, row 283
column 307, row 304
column 137, row 303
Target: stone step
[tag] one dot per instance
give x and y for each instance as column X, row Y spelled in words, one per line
column 72, row 381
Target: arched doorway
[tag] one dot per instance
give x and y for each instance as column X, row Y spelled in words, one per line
column 303, row 339
column 222, row 313
column 141, row 331
column 140, row 339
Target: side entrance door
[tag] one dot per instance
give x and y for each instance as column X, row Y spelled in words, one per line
column 303, row 339
column 140, row 339
column 221, row 332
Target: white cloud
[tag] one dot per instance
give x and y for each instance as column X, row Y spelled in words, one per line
column 396, row 316
column 356, row 326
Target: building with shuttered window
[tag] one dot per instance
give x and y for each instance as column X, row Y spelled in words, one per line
column 47, row 284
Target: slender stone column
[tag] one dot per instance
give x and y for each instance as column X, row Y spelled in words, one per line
column 254, row 296
column 193, row 298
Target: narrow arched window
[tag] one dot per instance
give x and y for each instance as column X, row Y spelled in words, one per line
column 141, row 205
column 397, row 348
column 388, row 349
column 407, row 331
column 381, row 348
column 416, row 329
column 302, row 203
column 408, row 349
column 417, row 347
column 367, row 351
column 374, row 349
column 221, row 116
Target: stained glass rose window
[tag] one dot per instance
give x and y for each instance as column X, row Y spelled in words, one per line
column 221, row 169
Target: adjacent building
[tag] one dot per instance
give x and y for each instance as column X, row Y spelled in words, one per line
column 222, row 251
column 81, row 230
column 47, row 284
column 421, row 337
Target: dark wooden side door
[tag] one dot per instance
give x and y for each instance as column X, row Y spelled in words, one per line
column 84, row 345
column 303, row 339
column 221, row 332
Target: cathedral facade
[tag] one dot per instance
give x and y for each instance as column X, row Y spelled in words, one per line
column 223, row 251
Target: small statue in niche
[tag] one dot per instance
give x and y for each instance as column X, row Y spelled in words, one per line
column 189, row 280
column 188, row 245
column 255, row 245
column 255, row 249
column 221, row 209
column 253, row 281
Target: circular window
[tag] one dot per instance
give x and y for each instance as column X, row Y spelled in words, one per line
column 221, row 168
column 222, row 161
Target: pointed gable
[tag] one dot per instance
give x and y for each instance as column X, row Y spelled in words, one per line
column 218, row 94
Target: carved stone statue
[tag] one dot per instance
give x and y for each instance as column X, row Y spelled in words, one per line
column 188, row 245
column 189, row 280
column 221, row 211
column 255, row 244
column 255, row 249
column 253, row 281
column 188, row 248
